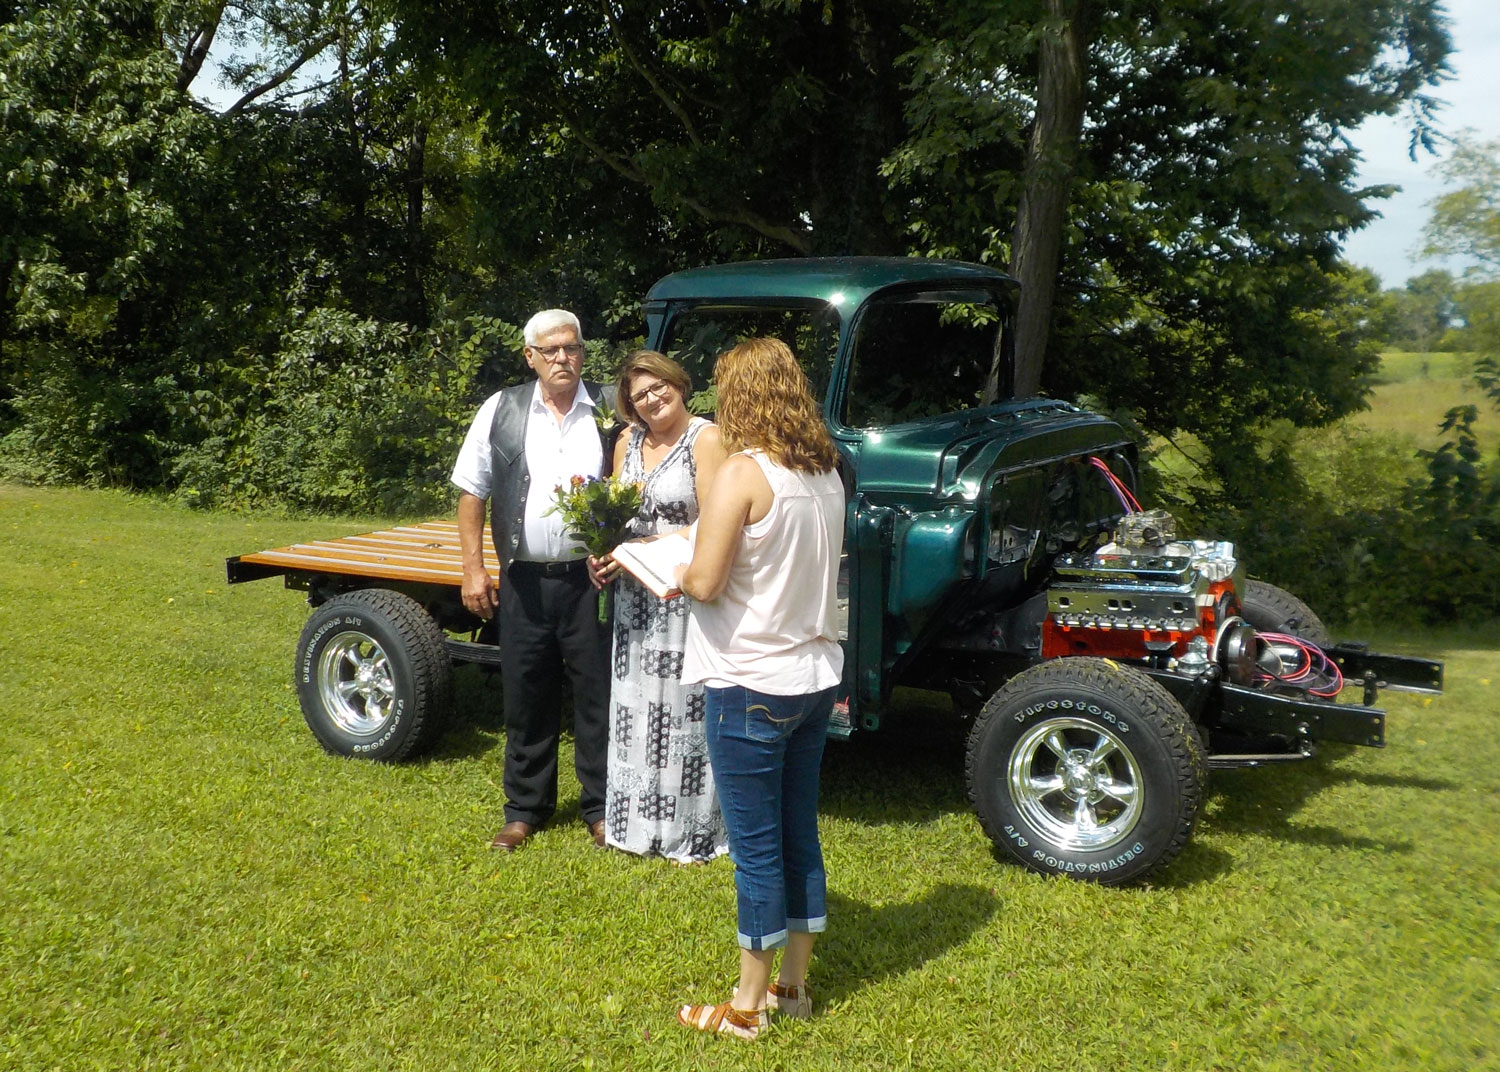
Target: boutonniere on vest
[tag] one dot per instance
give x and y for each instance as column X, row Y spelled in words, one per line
column 597, row 512
column 607, row 419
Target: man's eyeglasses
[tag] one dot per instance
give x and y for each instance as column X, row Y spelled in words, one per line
column 657, row 390
column 552, row 353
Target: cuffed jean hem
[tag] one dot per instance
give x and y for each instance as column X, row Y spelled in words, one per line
column 762, row 942
column 775, row 941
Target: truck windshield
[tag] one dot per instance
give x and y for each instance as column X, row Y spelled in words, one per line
column 698, row 335
column 919, row 355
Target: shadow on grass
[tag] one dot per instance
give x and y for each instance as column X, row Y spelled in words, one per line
column 911, row 770
column 476, row 723
column 869, row 943
column 1265, row 801
column 1198, row 863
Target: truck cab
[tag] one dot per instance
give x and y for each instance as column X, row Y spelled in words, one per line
column 957, row 491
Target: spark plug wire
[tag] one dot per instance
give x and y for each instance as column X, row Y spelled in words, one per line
column 1127, row 500
column 1313, row 672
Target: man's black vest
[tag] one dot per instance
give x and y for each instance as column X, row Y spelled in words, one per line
column 509, row 480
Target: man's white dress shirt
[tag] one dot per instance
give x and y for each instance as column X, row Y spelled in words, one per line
column 555, row 453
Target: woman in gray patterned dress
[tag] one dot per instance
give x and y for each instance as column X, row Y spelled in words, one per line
column 660, row 799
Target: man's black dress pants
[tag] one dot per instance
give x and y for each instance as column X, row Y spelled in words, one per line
column 549, row 627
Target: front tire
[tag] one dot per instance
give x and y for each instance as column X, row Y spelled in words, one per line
column 1085, row 768
column 1275, row 610
column 373, row 678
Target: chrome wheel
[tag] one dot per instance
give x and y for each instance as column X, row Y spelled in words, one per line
column 354, row 683
column 1076, row 782
column 1086, row 768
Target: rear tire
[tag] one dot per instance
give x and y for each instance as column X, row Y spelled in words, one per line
column 1085, row 768
column 1275, row 610
column 373, row 678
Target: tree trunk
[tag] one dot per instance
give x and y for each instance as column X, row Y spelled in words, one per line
column 416, row 249
column 195, row 47
column 1050, row 159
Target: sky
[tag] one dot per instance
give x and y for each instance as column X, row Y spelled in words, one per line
column 1390, row 246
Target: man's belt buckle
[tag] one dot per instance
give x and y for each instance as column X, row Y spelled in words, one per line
column 553, row 569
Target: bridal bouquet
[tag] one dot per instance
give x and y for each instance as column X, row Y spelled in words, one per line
column 597, row 513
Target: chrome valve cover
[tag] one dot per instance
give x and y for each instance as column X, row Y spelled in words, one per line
column 1139, row 588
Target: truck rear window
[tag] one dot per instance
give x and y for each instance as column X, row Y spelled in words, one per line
column 698, row 335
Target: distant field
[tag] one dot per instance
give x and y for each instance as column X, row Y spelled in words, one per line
column 1413, row 393
column 1401, row 366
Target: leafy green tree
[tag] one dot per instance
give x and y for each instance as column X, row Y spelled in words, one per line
column 391, row 174
column 1422, row 313
column 103, row 160
column 1181, row 170
column 177, row 283
column 631, row 139
column 1477, row 303
column 1212, row 186
column 1465, row 222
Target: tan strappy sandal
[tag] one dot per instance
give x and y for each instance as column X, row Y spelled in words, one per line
column 723, row 1019
column 792, row 1001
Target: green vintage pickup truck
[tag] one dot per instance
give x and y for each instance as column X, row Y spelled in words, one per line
column 995, row 551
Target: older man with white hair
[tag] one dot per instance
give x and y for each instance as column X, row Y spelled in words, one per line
column 536, row 436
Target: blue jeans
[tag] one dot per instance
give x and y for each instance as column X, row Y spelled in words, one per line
column 766, row 752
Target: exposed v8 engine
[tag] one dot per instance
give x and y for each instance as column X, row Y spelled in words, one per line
column 1148, row 596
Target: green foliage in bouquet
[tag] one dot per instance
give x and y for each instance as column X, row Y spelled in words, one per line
column 597, row 511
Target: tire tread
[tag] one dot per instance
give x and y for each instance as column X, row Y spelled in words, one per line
column 1275, row 610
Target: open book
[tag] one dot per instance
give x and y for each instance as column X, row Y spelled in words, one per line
column 654, row 563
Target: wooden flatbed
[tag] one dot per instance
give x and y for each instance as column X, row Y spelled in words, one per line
column 427, row 553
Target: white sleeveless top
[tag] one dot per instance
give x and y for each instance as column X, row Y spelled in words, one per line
column 774, row 627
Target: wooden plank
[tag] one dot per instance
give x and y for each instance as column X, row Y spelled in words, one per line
column 428, row 552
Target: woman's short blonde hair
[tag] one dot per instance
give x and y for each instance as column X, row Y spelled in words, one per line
column 653, row 364
column 766, row 401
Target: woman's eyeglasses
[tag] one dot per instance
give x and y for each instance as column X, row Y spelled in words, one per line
column 657, row 390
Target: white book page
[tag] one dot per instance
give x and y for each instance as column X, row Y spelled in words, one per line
column 654, row 562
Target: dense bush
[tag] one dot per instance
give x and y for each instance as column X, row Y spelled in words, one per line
column 1357, row 524
column 353, row 415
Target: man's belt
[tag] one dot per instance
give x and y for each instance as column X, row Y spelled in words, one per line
column 548, row 569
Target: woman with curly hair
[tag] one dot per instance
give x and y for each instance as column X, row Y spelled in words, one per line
column 763, row 639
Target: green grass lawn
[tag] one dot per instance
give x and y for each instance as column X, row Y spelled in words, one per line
column 189, row 882
column 1413, row 391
